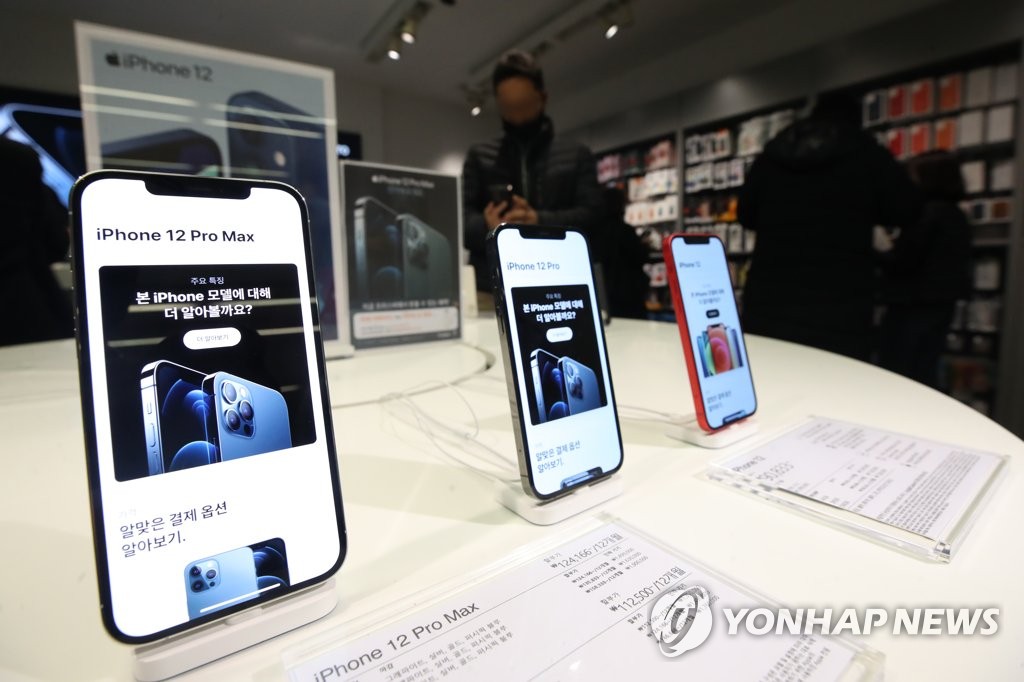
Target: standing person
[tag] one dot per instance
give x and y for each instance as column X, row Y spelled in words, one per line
column 927, row 271
column 33, row 234
column 553, row 181
column 814, row 197
column 623, row 260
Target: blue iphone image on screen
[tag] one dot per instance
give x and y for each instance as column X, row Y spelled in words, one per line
column 581, row 389
column 247, row 418
column 548, row 387
column 174, row 411
column 220, row 581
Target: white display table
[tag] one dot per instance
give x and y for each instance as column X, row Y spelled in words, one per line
column 416, row 519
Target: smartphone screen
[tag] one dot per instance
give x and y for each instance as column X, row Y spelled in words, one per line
column 709, row 322
column 568, row 430
column 212, row 469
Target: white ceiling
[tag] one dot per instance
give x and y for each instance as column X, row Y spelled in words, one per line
column 672, row 45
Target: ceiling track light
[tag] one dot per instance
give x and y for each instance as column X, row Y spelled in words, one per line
column 395, row 48
column 475, row 96
column 615, row 16
column 408, row 30
column 401, row 23
column 610, row 27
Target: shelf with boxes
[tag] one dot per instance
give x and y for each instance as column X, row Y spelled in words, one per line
column 716, row 158
column 647, row 173
column 969, row 108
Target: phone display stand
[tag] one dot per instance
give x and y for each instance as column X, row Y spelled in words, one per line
column 179, row 653
column 547, row 513
column 689, row 431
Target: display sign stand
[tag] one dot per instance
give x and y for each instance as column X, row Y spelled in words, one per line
column 689, row 431
column 547, row 513
column 177, row 654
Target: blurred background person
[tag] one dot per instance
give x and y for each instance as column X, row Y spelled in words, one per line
column 813, row 197
column 33, row 234
column 623, row 259
column 529, row 175
column 927, row 271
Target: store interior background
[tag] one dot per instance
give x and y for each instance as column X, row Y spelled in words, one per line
column 680, row 64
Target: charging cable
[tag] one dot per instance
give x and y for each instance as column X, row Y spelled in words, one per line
column 476, row 456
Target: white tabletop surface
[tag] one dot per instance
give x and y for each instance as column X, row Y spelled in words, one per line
column 415, row 518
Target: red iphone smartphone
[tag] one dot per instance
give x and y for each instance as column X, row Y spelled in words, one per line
column 709, row 326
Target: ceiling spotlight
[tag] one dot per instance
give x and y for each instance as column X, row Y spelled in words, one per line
column 610, row 28
column 395, row 49
column 614, row 17
column 475, row 111
column 408, row 31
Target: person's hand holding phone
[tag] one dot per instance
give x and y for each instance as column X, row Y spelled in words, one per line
column 520, row 212
column 494, row 214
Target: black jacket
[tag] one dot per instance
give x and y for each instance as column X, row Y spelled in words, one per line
column 557, row 177
column 814, row 197
column 931, row 262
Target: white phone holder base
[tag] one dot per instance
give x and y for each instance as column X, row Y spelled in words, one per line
column 689, row 431
column 179, row 653
column 546, row 513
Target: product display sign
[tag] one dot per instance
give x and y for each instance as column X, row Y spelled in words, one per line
column 155, row 104
column 212, row 469
column 917, row 494
column 611, row 604
column 403, row 232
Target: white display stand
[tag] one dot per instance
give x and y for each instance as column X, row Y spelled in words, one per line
column 689, row 431
column 177, row 654
column 546, row 513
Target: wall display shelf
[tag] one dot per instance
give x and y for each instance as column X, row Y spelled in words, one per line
column 647, row 172
column 968, row 106
column 716, row 158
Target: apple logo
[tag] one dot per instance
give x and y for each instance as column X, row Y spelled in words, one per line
column 113, row 59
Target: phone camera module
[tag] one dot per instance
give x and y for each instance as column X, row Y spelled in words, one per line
column 575, row 381
column 245, row 410
column 198, row 586
column 211, row 574
column 232, row 419
column 229, row 392
column 194, row 571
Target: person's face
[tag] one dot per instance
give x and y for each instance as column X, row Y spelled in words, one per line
column 519, row 101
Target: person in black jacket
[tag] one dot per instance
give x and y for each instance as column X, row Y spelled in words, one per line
column 33, row 234
column 623, row 260
column 553, row 181
column 814, row 197
column 927, row 271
